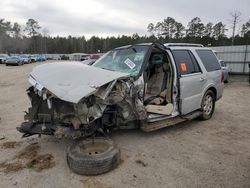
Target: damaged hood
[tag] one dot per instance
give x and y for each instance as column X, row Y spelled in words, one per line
column 71, row 81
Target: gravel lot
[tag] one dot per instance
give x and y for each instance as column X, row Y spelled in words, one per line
column 214, row 153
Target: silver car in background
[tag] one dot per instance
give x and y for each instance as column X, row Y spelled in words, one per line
column 25, row 58
column 14, row 60
column 225, row 70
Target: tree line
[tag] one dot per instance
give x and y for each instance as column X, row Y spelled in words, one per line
column 32, row 38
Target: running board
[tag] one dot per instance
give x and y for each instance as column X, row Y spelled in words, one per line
column 148, row 127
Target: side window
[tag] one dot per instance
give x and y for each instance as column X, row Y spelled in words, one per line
column 195, row 63
column 209, row 60
column 185, row 62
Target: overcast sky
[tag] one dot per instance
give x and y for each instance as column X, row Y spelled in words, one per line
column 114, row 17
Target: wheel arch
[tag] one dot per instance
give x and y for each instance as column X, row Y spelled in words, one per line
column 213, row 89
column 210, row 87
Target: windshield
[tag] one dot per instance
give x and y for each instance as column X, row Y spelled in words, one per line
column 126, row 60
column 13, row 57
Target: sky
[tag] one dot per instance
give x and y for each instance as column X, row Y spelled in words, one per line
column 113, row 17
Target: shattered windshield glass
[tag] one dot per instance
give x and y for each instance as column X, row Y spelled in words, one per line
column 126, row 60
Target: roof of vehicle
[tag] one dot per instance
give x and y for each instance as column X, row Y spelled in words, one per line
column 169, row 45
column 128, row 46
column 183, row 44
column 13, row 56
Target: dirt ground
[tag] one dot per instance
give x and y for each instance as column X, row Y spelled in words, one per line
column 214, row 153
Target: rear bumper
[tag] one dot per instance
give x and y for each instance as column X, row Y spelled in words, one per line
column 12, row 63
column 219, row 91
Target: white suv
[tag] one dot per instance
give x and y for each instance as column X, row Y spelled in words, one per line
column 147, row 86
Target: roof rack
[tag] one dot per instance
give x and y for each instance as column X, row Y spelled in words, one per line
column 183, row 44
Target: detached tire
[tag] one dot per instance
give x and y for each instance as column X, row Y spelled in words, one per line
column 207, row 105
column 93, row 157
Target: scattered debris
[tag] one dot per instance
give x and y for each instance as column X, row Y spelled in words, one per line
column 10, row 144
column 41, row 162
column 11, row 167
column 139, row 161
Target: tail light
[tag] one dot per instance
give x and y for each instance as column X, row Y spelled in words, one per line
column 222, row 76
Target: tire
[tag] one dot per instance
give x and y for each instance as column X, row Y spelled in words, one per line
column 86, row 158
column 207, row 105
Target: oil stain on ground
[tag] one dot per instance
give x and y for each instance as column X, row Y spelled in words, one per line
column 91, row 183
column 11, row 166
column 30, row 158
column 10, row 144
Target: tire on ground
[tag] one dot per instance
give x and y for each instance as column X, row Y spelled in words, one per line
column 203, row 115
column 86, row 158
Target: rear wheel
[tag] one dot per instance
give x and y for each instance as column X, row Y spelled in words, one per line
column 207, row 105
column 93, row 156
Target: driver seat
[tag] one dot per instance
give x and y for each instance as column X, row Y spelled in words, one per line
column 156, row 86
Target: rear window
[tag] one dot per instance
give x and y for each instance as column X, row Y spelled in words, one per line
column 186, row 62
column 209, row 60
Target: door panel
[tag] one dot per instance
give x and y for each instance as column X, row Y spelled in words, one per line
column 191, row 88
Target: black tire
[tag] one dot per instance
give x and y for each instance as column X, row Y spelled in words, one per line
column 86, row 158
column 207, row 111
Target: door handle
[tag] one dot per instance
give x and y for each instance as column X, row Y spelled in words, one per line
column 202, row 79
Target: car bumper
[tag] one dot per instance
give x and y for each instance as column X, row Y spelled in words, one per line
column 12, row 63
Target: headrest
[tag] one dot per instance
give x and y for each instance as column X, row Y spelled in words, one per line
column 156, row 59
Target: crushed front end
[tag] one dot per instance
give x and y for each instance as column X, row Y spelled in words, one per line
column 115, row 105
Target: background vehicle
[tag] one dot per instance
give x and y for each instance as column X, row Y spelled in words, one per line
column 64, row 57
column 3, row 59
column 25, row 58
column 33, row 58
column 14, row 60
column 40, row 57
column 225, row 70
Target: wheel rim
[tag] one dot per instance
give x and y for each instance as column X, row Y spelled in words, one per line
column 208, row 105
column 93, row 148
